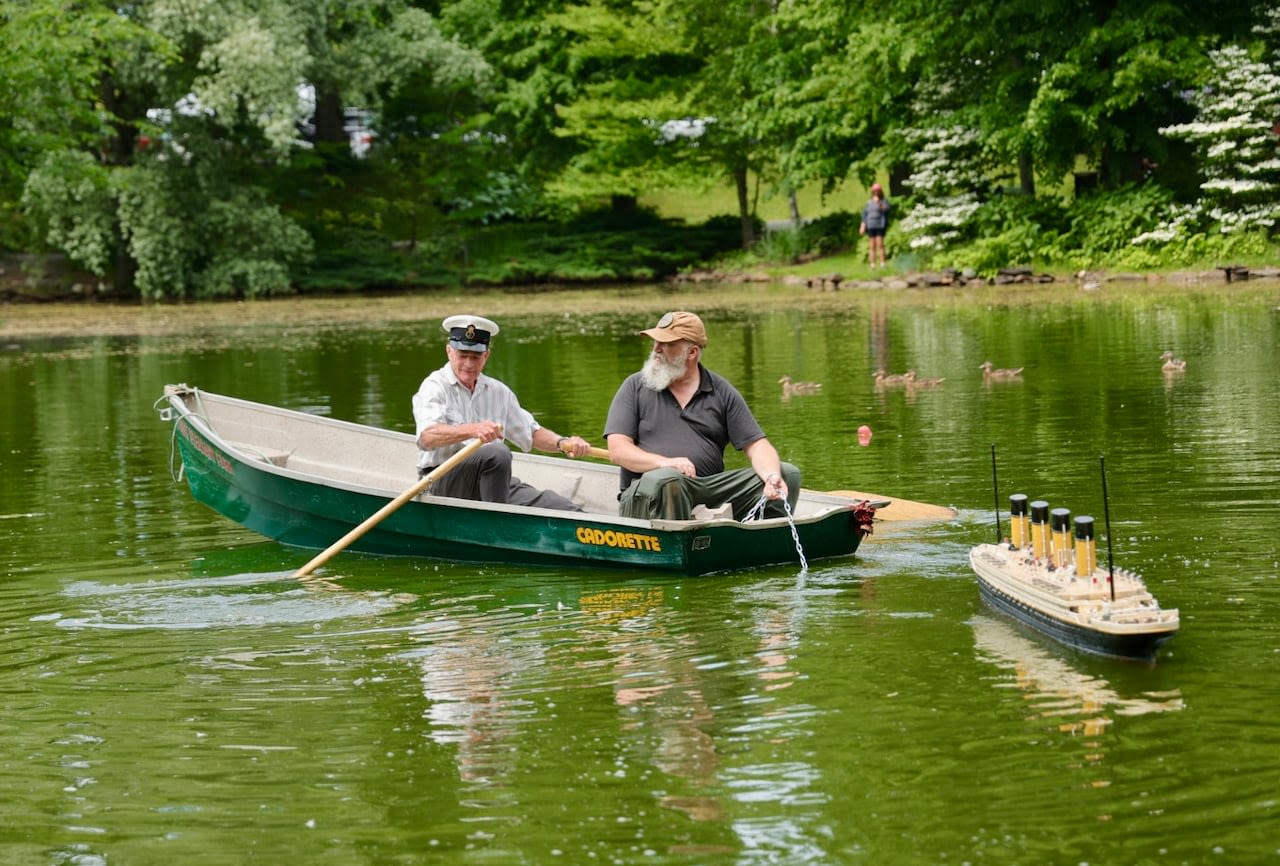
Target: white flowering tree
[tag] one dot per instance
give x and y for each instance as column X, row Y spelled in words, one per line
column 1235, row 136
column 946, row 174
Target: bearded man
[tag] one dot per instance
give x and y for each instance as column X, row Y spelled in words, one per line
column 668, row 426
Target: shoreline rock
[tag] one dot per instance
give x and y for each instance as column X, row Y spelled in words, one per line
column 1088, row 280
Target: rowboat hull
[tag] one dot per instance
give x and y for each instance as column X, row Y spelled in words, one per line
column 1078, row 615
column 306, row 481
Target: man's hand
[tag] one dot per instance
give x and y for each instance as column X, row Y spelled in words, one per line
column 775, row 487
column 575, row 446
column 485, row 431
column 682, row 464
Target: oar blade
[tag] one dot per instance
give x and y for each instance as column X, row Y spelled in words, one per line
column 898, row 509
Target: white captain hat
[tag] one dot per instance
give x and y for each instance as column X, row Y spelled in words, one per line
column 470, row 333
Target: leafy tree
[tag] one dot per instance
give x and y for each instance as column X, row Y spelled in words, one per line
column 68, row 87
column 164, row 144
column 723, row 139
column 635, row 71
column 533, row 71
column 198, row 113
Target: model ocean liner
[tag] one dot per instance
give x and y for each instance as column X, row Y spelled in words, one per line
column 1042, row 578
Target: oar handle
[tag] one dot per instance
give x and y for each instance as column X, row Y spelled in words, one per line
column 598, row 453
column 374, row 519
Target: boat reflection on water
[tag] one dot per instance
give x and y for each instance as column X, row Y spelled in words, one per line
column 1082, row 704
column 660, row 693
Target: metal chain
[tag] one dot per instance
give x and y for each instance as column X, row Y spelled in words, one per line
column 757, row 512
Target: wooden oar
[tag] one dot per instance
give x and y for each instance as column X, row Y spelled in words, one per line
column 374, row 519
column 896, row 509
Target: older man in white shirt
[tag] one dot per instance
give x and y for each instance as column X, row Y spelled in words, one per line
column 458, row 402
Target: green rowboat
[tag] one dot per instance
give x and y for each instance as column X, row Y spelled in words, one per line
column 306, row 480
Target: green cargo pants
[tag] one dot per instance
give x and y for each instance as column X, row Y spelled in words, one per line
column 668, row 494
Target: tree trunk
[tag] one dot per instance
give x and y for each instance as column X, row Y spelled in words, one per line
column 794, row 205
column 119, row 151
column 124, row 266
column 329, row 119
column 898, row 174
column 744, row 206
column 1026, row 173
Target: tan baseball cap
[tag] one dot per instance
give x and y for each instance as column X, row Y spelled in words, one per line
column 679, row 325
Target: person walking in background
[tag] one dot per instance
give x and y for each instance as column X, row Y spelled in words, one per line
column 458, row 402
column 668, row 427
column 875, row 221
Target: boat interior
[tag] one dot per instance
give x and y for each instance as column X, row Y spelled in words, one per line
column 359, row 456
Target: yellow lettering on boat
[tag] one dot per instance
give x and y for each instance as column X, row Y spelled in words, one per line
column 612, row 538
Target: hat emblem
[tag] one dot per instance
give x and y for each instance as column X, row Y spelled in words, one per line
column 471, row 332
column 665, row 321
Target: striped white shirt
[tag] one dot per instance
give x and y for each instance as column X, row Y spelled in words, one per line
column 442, row 399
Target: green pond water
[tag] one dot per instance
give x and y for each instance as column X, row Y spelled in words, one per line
column 168, row 694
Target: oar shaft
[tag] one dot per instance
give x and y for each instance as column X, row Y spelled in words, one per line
column 598, row 453
column 378, row 516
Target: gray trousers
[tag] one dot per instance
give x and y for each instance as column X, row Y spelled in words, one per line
column 486, row 476
column 668, row 494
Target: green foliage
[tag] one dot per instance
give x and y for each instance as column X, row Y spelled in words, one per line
column 252, row 247
column 156, row 217
column 164, row 142
column 821, row 237
column 598, row 246
column 1198, row 248
column 192, row 234
column 355, row 258
column 1010, row 230
column 70, row 195
column 1101, row 225
column 786, row 246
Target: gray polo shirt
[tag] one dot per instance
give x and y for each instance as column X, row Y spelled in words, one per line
column 716, row 416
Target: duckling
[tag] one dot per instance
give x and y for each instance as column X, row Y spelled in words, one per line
column 884, row 380
column 989, row 372
column 1172, row 364
column 790, row 388
column 914, row 381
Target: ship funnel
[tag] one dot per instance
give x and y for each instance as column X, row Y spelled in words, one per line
column 1086, row 547
column 1040, row 529
column 1060, row 540
column 1018, row 530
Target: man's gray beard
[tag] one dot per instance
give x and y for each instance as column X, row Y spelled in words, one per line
column 658, row 373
